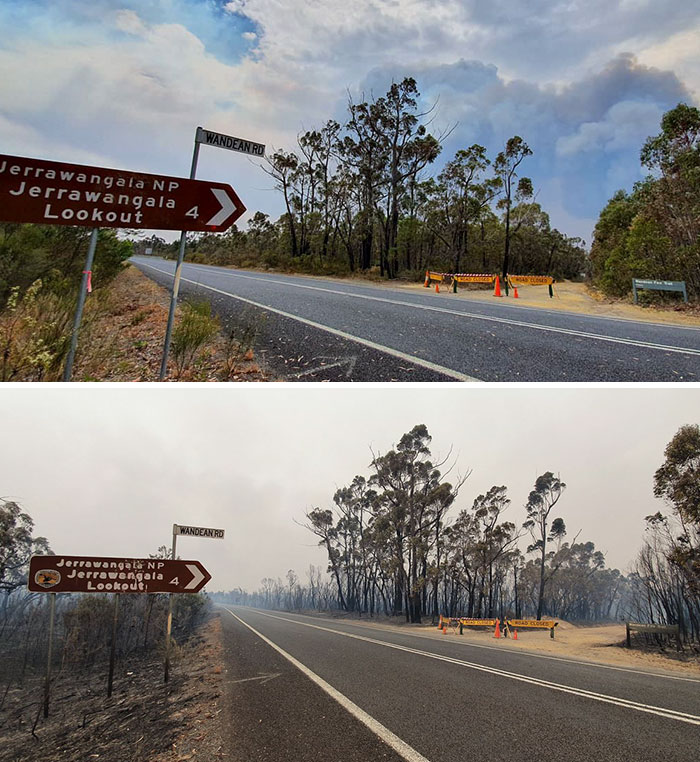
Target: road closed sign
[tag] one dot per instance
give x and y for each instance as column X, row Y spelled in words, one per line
column 91, row 574
column 54, row 193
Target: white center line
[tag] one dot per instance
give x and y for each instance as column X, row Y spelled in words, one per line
column 670, row 714
column 390, row 739
column 530, row 655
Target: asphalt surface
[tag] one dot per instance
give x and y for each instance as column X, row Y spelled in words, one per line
column 443, row 699
column 318, row 330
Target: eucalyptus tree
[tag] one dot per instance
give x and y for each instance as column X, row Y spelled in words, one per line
column 411, row 501
column 322, row 524
column 463, row 194
column 388, row 146
column 17, row 545
column 495, row 539
column 540, row 503
column 677, row 482
column 284, row 169
column 506, row 166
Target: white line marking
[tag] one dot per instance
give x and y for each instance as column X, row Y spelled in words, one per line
column 530, row 654
column 382, row 732
column 457, row 313
column 365, row 342
column 670, row 714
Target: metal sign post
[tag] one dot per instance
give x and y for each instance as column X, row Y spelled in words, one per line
column 47, row 684
column 216, row 534
column 176, row 281
column 85, row 286
column 220, row 141
column 169, row 625
column 113, row 646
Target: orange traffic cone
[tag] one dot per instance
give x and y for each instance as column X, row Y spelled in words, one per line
column 497, row 289
column 515, row 292
column 497, row 631
column 437, row 288
column 515, row 634
column 444, row 630
column 427, row 279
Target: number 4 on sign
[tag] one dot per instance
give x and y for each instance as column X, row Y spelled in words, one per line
column 194, row 212
column 174, row 581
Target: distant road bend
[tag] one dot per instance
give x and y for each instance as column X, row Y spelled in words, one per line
column 301, row 688
column 317, row 330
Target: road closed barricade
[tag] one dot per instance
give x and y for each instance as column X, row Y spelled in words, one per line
column 535, row 624
column 530, row 280
column 467, row 622
column 463, row 622
column 511, row 281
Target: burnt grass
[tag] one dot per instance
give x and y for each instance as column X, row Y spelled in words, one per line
column 145, row 718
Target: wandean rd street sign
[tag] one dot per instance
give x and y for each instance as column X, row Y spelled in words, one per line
column 54, row 193
column 88, row 574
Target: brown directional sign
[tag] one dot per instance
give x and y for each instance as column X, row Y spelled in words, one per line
column 89, row 574
column 53, row 193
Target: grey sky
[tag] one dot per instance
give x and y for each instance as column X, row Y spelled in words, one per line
column 107, row 470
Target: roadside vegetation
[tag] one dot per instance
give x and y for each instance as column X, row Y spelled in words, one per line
column 653, row 231
column 360, row 199
column 396, row 548
column 81, row 647
column 123, row 326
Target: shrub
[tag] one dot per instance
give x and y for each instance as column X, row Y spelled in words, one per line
column 196, row 327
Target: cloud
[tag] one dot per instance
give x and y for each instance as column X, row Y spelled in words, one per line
column 586, row 137
column 127, row 81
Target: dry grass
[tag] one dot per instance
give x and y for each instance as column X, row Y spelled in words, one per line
column 123, row 340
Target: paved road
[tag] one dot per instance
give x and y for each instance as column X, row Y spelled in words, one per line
column 326, row 330
column 403, row 696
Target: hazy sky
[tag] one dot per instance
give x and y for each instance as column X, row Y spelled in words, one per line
column 107, row 470
column 125, row 82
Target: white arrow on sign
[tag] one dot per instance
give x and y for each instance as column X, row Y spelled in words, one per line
column 227, row 207
column 196, row 574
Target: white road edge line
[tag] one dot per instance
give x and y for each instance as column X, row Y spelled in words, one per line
column 530, row 654
column 456, row 375
column 383, row 733
column 428, row 308
column 670, row 714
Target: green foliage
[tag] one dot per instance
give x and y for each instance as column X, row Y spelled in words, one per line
column 34, row 334
column 654, row 232
column 196, row 327
column 55, row 254
column 17, row 545
column 678, row 480
column 40, row 274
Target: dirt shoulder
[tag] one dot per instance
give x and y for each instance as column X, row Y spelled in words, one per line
column 123, row 332
column 145, row 720
column 576, row 297
column 604, row 644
